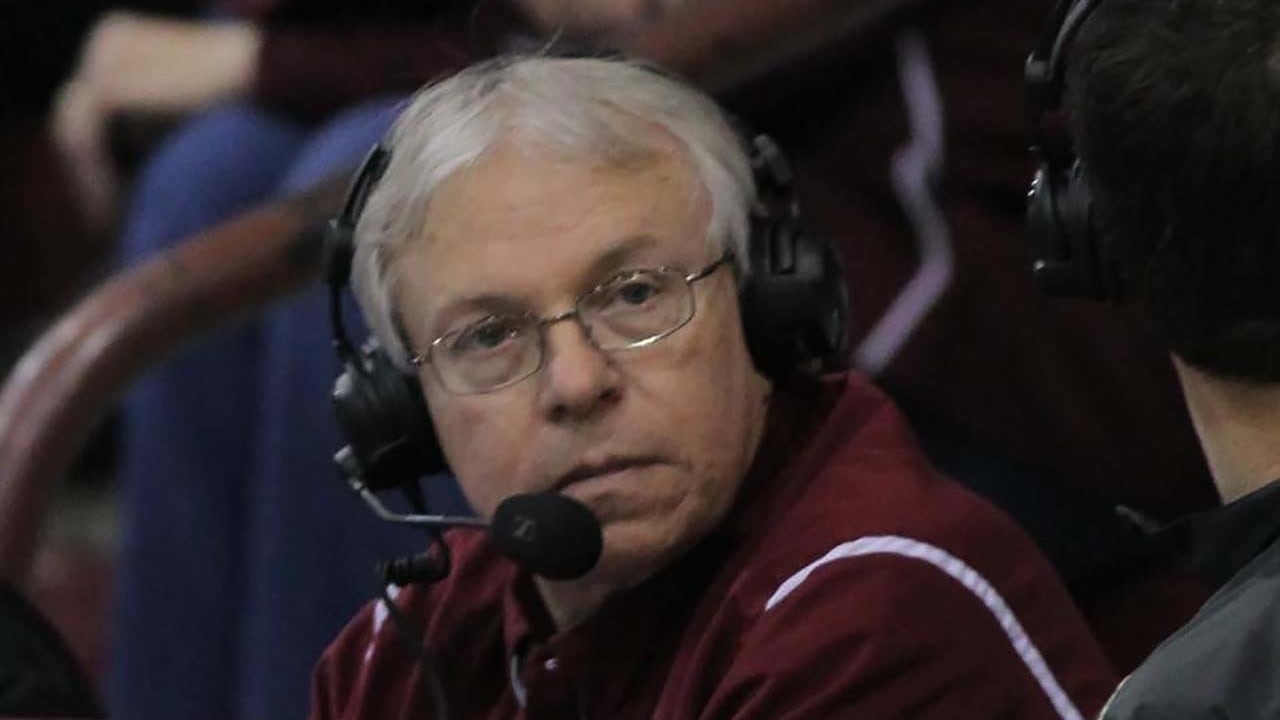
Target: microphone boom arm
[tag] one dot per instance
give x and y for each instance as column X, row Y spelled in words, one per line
column 433, row 521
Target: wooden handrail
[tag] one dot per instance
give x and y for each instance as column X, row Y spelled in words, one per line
column 64, row 383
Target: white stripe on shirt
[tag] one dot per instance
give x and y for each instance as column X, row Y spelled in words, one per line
column 971, row 579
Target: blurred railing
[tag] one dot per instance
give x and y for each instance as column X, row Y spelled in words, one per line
column 63, row 385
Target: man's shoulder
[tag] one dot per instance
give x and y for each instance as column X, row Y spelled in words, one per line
column 889, row 602
column 863, row 475
column 857, row 486
column 860, row 549
column 867, row 535
column 1220, row 664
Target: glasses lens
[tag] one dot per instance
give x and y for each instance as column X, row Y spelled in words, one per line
column 636, row 307
column 488, row 354
column 631, row 309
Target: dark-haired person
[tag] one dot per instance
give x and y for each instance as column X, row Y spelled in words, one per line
column 560, row 253
column 1175, row 114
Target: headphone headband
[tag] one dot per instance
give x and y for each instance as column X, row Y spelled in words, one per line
column 1046, row 66
column 1045, row 70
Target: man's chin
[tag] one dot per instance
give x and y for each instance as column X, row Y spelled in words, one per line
column 623, row 563
column 633, row 554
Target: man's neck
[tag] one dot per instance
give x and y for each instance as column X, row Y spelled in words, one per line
column 1238, row 424
column 569, row 603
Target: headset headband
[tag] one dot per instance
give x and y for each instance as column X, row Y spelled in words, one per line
column 1046, row 67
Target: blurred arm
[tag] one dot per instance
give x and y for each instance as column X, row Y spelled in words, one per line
column 725, row 43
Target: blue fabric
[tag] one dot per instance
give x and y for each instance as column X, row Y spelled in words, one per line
column 242, row 554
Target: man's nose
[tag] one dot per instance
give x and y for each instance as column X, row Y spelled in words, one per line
column 578, row 379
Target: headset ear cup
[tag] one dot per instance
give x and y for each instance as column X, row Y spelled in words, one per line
column 794, row 300
column 339, row 246
column 752, row 307
column 381, row 412
column 828, row 334
column 1043, row 231
column 1060, row 229
column 384, row 417
column 1076, row 211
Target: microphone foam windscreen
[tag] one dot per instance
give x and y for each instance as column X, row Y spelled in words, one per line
column 549, row 534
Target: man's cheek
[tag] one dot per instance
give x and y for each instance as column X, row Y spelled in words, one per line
column 463, row 427
column 474, row 450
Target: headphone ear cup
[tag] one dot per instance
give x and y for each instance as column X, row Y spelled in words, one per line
column 794, row 300
column 827, row 332
column 756, row 325
column 1067, row 253
column 1044, row 234
column 383, row 415
column 1076, row 212
column 337, row 251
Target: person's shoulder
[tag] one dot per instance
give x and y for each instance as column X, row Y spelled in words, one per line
column 859, row 443
column 920, row 633
column 863, row 474
column 1214, row 665
column 872, row 492
column 868, row 545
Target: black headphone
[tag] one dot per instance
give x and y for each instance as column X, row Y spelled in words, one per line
column 794, row 307
column 1070, row 258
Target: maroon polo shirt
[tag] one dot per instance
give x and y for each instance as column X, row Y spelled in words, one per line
column 849, row 580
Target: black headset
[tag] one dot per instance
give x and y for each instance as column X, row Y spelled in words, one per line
column 794, row 307
column 1070, row 258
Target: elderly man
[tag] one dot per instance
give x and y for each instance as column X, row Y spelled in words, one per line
column 1176, row 122
column 558, row 250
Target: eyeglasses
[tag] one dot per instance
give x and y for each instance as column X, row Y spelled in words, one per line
column 632, row 309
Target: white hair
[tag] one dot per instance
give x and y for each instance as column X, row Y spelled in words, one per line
column 567, row 105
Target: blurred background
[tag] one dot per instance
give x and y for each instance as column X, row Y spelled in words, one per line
column 51, row 256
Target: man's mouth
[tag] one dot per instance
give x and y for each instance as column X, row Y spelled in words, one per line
column 602, row 468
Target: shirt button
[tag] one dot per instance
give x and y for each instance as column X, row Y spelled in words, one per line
column 551, row 664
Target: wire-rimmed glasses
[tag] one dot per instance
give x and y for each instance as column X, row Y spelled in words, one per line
column 632, row 309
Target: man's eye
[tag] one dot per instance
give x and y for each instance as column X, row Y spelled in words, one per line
column 486, row 335
column 631, row 292
column 637, row 292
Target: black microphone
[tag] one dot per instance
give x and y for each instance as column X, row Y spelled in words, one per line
column 550, row 534
column 547, row 533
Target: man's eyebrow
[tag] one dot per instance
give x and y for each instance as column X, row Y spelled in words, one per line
column 620, row 254
column 492, row 303
column 487, row 301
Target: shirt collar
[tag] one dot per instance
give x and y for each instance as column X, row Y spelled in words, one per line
column 1220, row 542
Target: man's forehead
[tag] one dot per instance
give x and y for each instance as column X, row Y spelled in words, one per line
column 522, row 225
column 584, row 215
column 626, row 252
